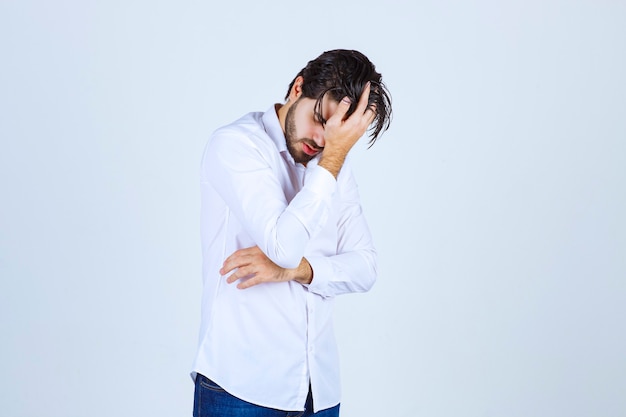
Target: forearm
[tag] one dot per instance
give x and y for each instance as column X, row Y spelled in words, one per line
column 250, row 187
column 332, row 160
column 351, row 265
column 285, row 237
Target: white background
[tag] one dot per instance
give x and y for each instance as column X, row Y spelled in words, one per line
column 497, row 199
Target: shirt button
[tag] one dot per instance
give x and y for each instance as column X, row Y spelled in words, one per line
column 310, row 348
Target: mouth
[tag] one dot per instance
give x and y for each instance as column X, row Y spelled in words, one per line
column 309, row 150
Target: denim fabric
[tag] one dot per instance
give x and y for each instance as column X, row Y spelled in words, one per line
column 211, row 400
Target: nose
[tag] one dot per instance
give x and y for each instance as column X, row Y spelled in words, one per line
column 318, row 138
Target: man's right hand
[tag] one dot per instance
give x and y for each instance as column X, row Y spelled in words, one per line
column 340, row 135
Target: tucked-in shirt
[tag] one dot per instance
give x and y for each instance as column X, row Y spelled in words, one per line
column 267, row 343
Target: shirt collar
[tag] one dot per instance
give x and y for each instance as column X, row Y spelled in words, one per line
column 272, row 127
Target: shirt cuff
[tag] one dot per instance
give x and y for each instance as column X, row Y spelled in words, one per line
column 319, row 179
column 322, row 271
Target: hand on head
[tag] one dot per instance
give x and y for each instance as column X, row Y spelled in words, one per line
column 341, row 133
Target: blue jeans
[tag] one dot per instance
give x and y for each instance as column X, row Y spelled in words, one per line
column 210, row 400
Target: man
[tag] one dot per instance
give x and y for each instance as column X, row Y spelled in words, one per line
column 282, row 235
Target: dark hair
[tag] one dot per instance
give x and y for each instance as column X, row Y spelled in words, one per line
column 342, row 73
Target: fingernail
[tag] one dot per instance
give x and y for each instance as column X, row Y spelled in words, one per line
column 347, row 100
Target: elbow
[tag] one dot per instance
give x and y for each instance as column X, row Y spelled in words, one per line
column 288, row 258
column 369, row 282
column 370, row 273
column 373, row 270
column 286, row 241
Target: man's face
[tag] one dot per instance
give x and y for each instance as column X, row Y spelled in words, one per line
column 304, row 131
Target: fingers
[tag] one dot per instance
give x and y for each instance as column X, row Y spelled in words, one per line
column 363, row 100
column 248, row 283
column 250, row 266
column 239, row 258
column 240, row 273
column 340, row 111
column 372, row 113
column 363, row 114
column 241, row 266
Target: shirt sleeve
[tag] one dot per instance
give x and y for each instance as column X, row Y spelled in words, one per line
column 242, row 172
column 354, row 267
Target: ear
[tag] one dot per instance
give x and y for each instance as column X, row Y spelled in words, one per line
column 296, row 89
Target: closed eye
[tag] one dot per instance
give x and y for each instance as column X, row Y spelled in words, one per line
column 317, row 114
column 319, row 118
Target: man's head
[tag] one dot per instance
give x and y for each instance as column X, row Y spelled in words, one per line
column 327, row 79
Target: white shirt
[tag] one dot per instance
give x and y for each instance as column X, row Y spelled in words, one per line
column 266, row 343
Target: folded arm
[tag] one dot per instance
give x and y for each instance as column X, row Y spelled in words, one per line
column 243, row 175
column 351, row 269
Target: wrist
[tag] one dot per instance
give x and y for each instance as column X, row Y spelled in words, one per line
column 303, row 273
column 332, row 161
